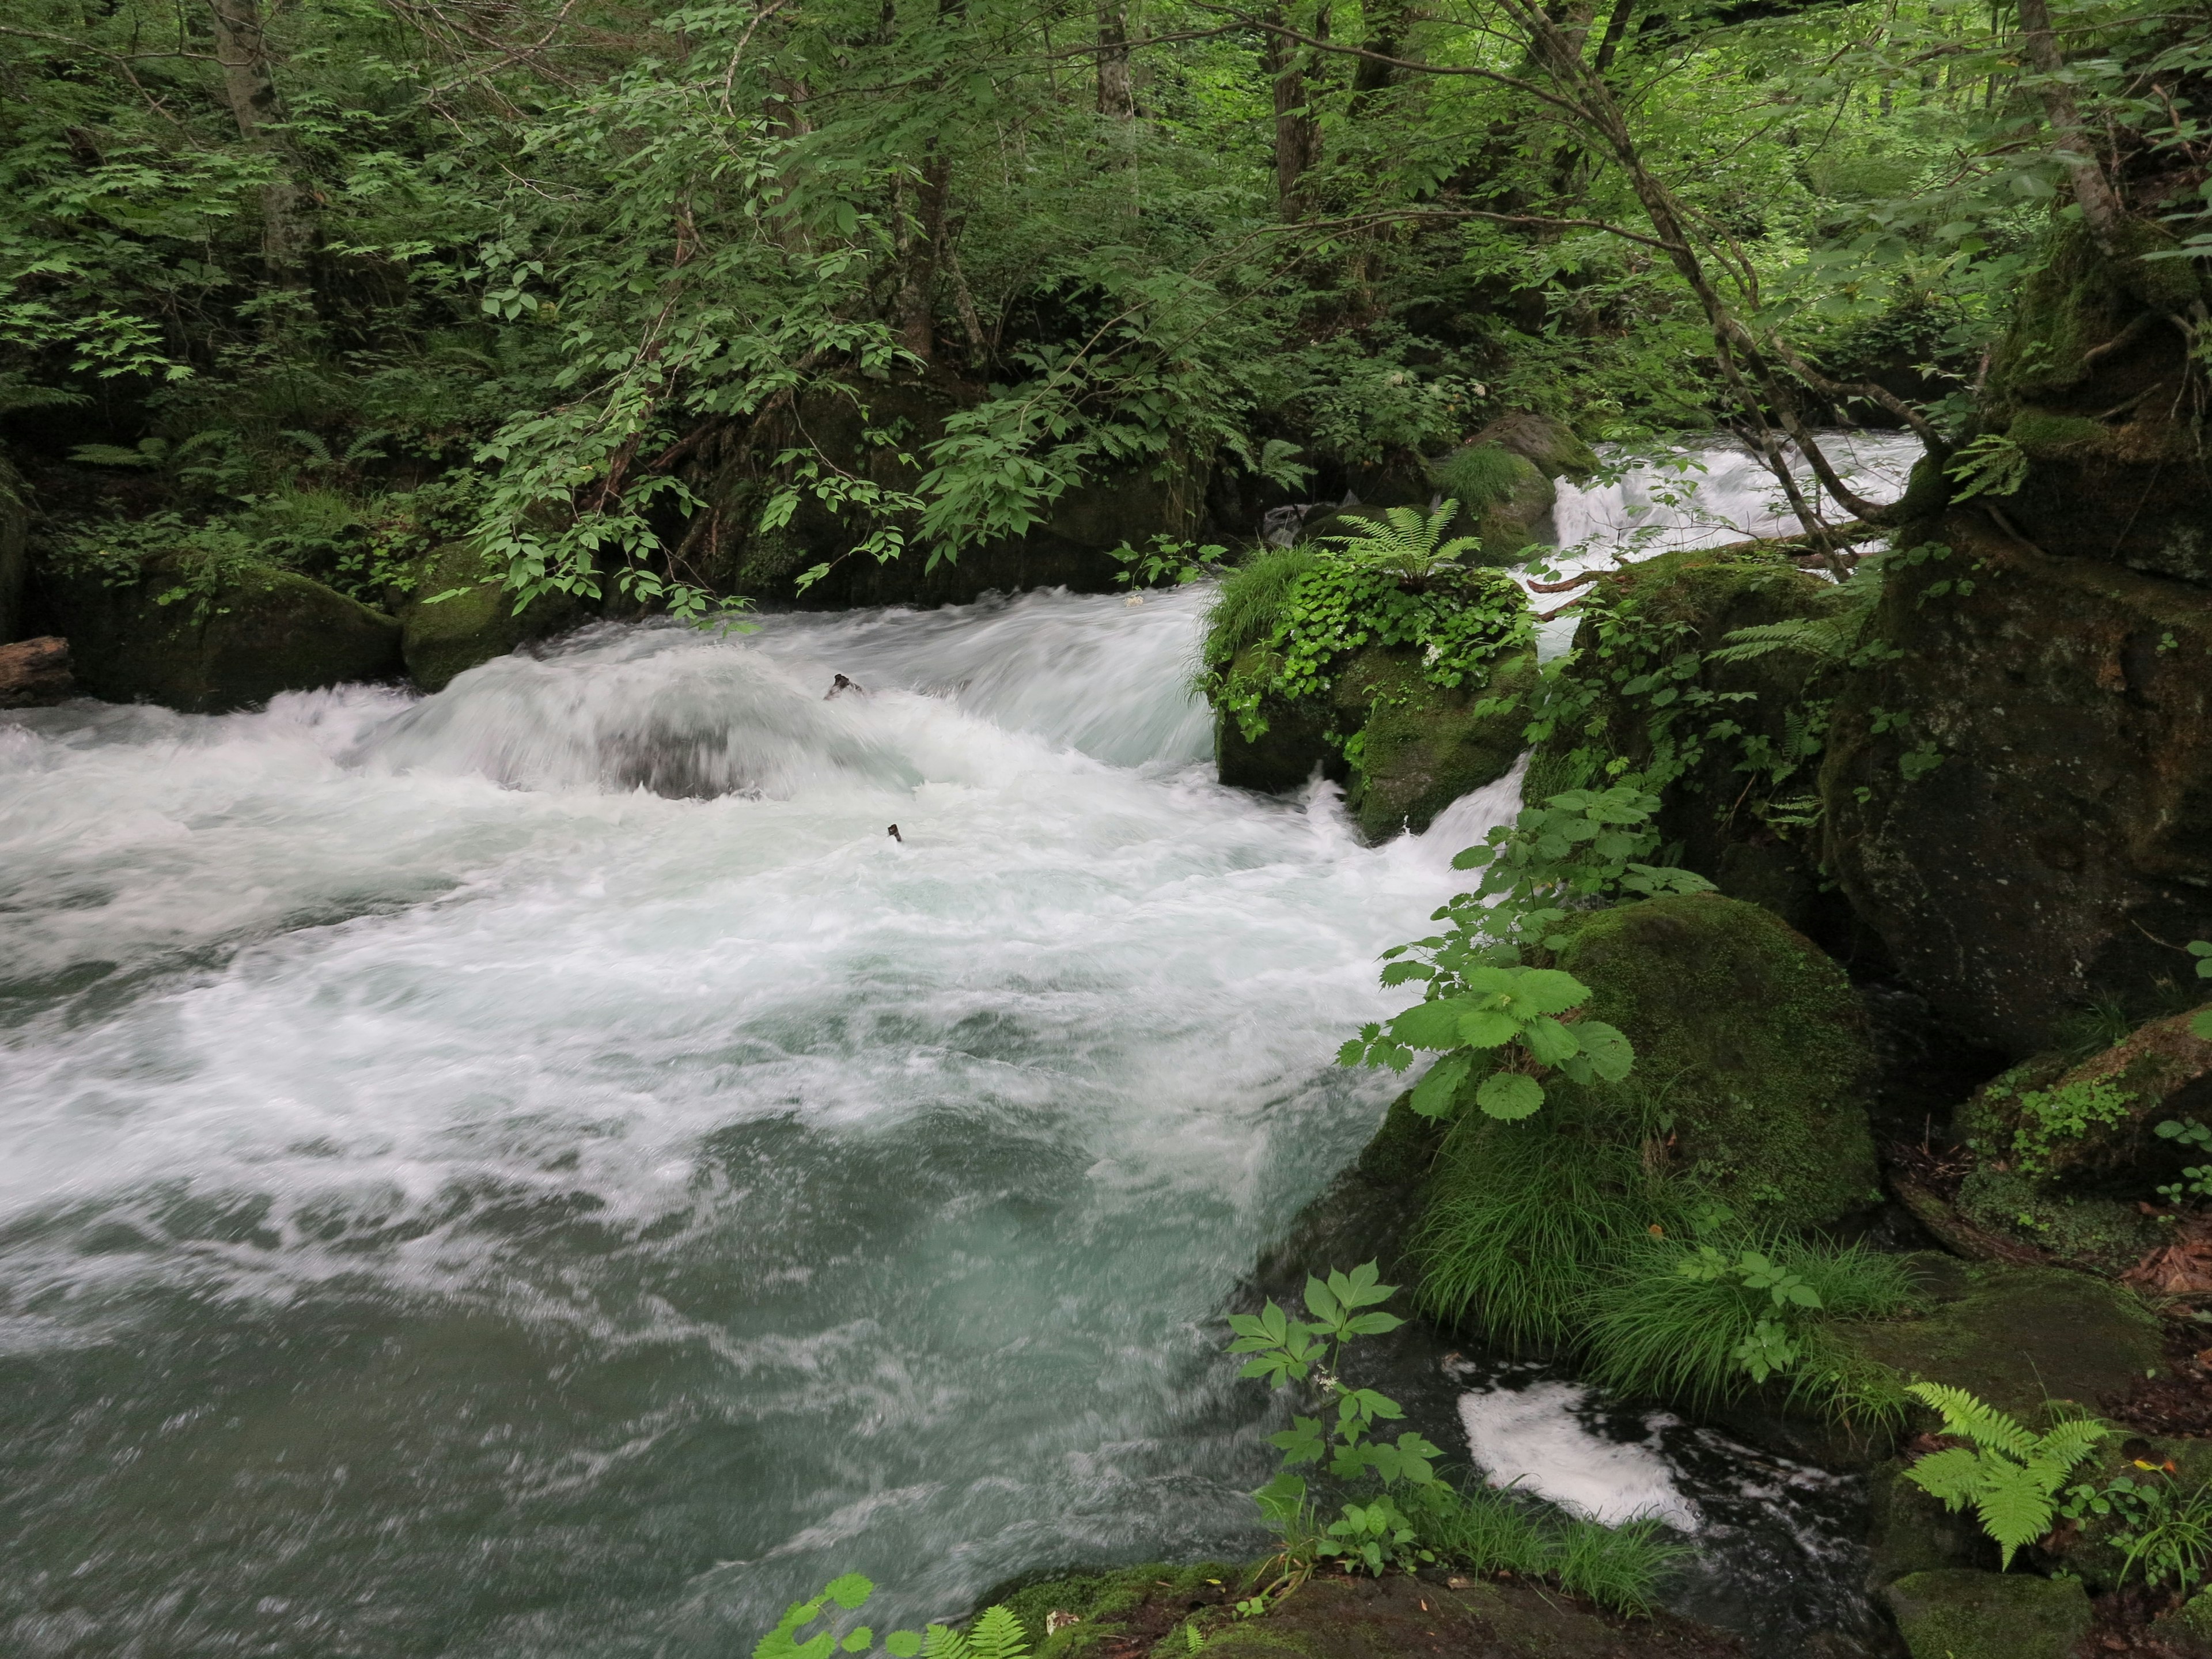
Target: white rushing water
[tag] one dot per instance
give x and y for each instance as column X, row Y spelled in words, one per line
column 540, row 1169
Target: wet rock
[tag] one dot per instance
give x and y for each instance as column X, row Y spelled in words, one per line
column 1421, row 747
column 1748, row 1039
column 1953, row 1613
column 2090, row 384
column 1336, row 1617
column 1550, row 445
column 2019, row 1337
column 462, row 613
column 2159, row 1071
column 2018, row 798
column 263, row 632
column 1740, row 824
column 1909, row 1532
column 35, row 672
column 1502, row 496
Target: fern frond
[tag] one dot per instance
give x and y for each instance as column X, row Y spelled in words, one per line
column 1829, row 638
column 1951, row 1475
column 943, row 1642
column 1973, row 1418
column 999, row 1635
column 2015, row 1510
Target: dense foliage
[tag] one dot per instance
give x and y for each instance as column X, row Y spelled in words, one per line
column 633, row 285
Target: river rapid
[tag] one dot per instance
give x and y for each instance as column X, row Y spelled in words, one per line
column 540, row 1169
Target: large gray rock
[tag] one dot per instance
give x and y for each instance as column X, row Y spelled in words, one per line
column 1956, row 1614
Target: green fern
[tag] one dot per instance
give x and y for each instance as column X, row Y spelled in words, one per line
column 1408, row 542
column 2009, row 1473
column 1993, row 464
column 997, row 1634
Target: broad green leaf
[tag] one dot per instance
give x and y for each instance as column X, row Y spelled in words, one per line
column 1487, row 1028
column 1432, row 1024
column 1509, row 1095
column 1548, row 1041
column 1435, row 1094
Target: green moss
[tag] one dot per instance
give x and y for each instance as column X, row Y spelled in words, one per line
column 2018, row 1337
column 447, row 636
column 1481, row 474
column 2106, row 1235
column 263, row 632
column 1101, row 1602
column 1757, row 1042
column 1955, row 1613
column 1421, row 747
column 2038, row 431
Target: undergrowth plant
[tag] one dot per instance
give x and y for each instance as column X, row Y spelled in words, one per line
column 996, row 1634
column 2160, row 1528
column 2008, row 1472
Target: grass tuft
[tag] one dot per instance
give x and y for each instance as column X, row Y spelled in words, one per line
column 1251, row 598
column 1620, row 1568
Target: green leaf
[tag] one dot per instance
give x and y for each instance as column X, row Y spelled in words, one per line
column 1487, row 1028
column 1609, row 1051
column 1509, row 1095
column 848, row 1591
column 1549, row 1042
column 1436, row 1092
column 903, row 1643
column 859, row 1639
column 1432, row 1024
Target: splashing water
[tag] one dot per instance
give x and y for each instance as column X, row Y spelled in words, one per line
column 538, row 1169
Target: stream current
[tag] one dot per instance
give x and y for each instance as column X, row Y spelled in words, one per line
column 540, row 1169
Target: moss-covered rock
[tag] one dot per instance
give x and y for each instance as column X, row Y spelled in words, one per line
column 1731, row 745
column 1747, row 1038
column 2018, row 797
column 2089, row 385
column 1550, row 445
column 461, row 614
column 1146, row 1609
column 263, row 632
column 2118, row 1097
column 1908, row 1531
column 1954, row 1614
column 1504, row 498
column 2019, row 1337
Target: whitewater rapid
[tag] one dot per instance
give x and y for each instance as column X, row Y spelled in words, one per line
column 540, row 1169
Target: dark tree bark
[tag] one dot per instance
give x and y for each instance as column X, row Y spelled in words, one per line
column 1297, row 131
column 251, row 89
column 1117, row 88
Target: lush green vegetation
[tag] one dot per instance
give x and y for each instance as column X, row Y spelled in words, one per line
column 626, row 293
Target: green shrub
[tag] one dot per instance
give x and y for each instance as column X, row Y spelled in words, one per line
column 1527, row 1220
column 1480, row 474
column 1251, row 599
column 2009, row 1473
column 1702, row 1324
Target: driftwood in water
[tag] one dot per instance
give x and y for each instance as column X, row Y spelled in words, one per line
column 35, row 671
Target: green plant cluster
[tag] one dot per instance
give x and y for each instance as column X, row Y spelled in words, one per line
column 1411, row 1515
column 2009, row 1475
column 2161, row 1528
column 1282, row 629
column 996, row 1634
column 2050, row 1118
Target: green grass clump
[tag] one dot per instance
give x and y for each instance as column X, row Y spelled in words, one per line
column 1527, row 1220
column 1251, row 599
column 1480, row 474
column 1619, row 1568
column 1654, row 1330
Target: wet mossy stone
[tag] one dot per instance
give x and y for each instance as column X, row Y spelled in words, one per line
column 1550, row 445
column 1910, row 1531
column 1420, row 746
column 1687, row 603
column 2017, row 1337
column 263, row 632
column 2041, row 820
column 1504, row 498
column 1331, row 1616
column 2160, row 1071
column 1957, row 1613
column 1748, row 1039
column 463, row 614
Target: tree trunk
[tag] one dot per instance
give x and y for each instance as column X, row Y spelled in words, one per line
column 1298, row 132
column 242, row 50
column 1117, row 90
column 915, row 307
column 2101, row 208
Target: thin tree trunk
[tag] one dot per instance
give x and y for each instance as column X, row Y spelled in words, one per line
column 251, row 90
column 1117, row 89
column 2099, row 205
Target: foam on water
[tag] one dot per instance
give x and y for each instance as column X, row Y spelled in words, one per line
column 1530, row 1439
column 538, row 1169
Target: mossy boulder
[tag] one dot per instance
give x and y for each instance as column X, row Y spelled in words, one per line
column 2090, row 384
column 1504, row 498
column 1909, row 1531
column 2018, row 796
column 1957, row 1613
column 1146, row 1609
column 1747, row 1038
column 2119, row 1096
column 1404, row 747
column 1732, row 745
column 2019, row 1337
column 462, row 613
column 1551, row 446
column 262, row 632
column 878, row 429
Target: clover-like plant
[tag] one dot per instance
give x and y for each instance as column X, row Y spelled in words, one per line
column 997, row 1634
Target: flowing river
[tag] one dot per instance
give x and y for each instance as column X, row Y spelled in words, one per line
column 540, row 1171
